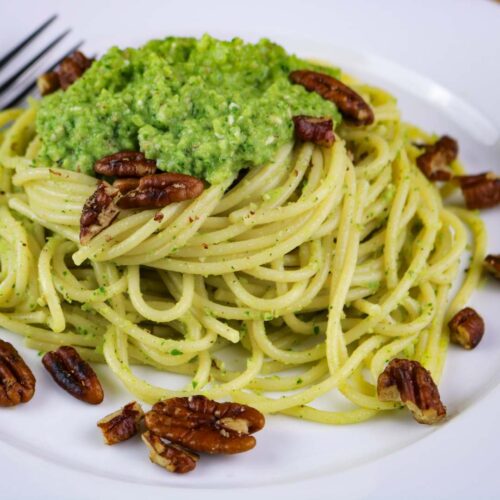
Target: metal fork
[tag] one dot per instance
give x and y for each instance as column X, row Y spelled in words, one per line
column 18, row 85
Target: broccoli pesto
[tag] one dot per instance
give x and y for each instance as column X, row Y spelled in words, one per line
column 201, row 107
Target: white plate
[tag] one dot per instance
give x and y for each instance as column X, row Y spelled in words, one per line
column 440, row 63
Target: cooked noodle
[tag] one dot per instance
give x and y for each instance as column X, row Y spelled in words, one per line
column 316, row 269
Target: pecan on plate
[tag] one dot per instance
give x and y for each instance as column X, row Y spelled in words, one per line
column 481, row 190
column 122, row 424
column 125, row 164
column 172, row 457
column 435, row 161
column 159, row 190
column 204, row 425
column 74, row 374
column 316, row 130
column 492, row 265
column 17, row 382
column 466, row 328
column 70, row 69
column 99, row 211
column 350, row 104
column 126, row 185
column 409, row 382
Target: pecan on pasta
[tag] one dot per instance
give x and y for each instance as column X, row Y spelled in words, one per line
column 122, row 424
column 435, row 161
column 74, row 374
column 481, row 190
column 316, row 130
column 466, row 328
column 126, row 185
column 159, row 190
column 99, row 211
column 350, row 104
column 70, row 69
column 204, row 425
column 492, row 265
column 409, row 382
column 172, row 457
column 125, row 164
column 17, row 382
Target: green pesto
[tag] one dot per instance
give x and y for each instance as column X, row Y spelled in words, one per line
column 202, row 107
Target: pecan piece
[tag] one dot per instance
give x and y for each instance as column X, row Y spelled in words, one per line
column 48, row 83
column 70, row 69
column 409, row 382
column 17, row 382
column 204, row 425
column 435, row 161
column 125, row 164
column 316, row 130
column 122, row 424
column 492, row 264
column 157, row 191
column 350, row 104
column 74, row 374
column 99, row 211
column 126, row 185
column 466, row 328
column 172, row 457
column 480, row 191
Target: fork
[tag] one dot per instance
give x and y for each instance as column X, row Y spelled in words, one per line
column 14, row 88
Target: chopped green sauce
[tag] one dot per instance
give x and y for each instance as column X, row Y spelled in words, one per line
column 203, row 107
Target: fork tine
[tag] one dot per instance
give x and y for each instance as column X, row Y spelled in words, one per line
column 7, row 57
column 30, row 63
column 25, row 91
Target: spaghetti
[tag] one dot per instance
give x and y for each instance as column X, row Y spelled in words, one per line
column 315, row 269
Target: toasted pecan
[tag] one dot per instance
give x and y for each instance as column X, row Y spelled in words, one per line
column 125, row 164
column 99, row 211
column 435, row 161
column 17, row 382
column 121, row 424
column 172, row 457
column 409, row 382
column 69, row 70
column 492, row 265
column 316, row 130
column 73, row 374
column 204, row 425
column 159, row 190
column 350, row 104
column 481, row 190
column 126, row 185
column 466, row 328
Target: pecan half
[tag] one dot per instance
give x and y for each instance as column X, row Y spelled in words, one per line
column 409, row 382
column 122, row 424
column 466, row 328
column 492, row 265
column 480, row 191
column 70, row 69
column 157, row 191
column 126, row 185
column 317, row 130
column 99, row 211
column 204, row 425
column 172, row 457
column 17, row 382
column 349, row 103
column 74, row 374
column 125, row 164
column 435, row 161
